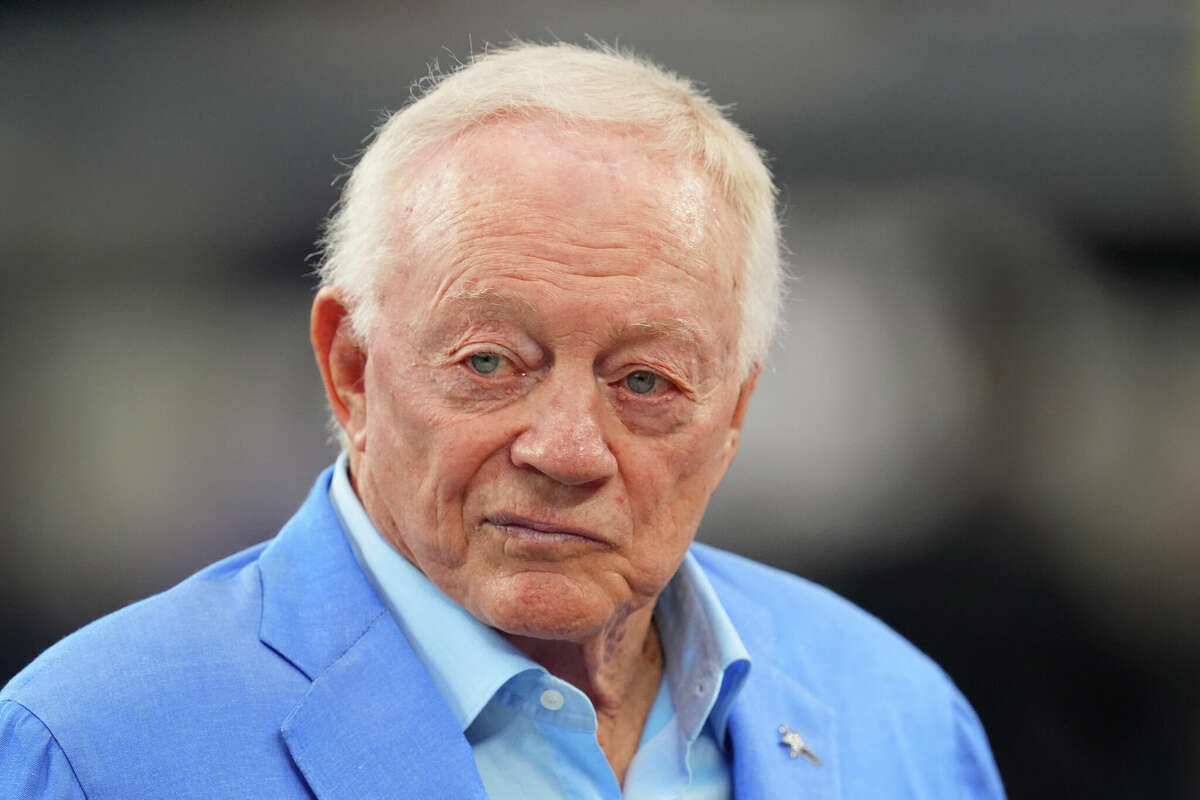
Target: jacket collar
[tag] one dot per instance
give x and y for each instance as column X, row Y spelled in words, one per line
column 371, row 724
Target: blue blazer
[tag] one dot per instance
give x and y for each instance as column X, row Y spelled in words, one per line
column 278, row 673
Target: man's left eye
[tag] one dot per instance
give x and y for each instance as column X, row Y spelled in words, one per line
column 641, row 382
column 485, row 363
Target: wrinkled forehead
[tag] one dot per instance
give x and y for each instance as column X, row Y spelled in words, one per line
column 545, row 179
column 582, row 170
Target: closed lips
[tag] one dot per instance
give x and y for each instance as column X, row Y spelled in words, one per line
column 550, row 529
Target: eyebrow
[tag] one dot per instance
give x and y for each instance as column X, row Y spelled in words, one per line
column 473, row 306
column 676, row 329
column 506, row 306
column 474, row 298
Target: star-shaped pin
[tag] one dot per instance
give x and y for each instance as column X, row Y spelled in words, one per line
column 796, row 745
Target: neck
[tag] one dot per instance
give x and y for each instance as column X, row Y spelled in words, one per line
column 619, row 669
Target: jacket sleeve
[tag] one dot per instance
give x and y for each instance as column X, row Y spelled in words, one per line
column 978, row 777
column 32, row 765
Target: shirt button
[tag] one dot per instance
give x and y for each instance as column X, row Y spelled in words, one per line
column 552, row 700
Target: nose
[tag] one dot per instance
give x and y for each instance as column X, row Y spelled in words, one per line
column 565, row 439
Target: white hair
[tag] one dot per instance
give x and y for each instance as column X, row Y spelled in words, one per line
column 571, row 84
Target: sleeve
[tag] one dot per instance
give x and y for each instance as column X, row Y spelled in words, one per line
column 32, row 765
column 977, row 773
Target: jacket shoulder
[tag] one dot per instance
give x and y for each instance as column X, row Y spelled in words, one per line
column 886, row 695
column 151, row 654
column 180, row 678
column 823, row 639
column 796, row 603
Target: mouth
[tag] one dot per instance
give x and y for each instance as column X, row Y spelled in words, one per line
column 542, row 533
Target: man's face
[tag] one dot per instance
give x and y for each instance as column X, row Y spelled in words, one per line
column 551, row 393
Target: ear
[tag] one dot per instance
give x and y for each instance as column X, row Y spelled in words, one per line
column 342, row 361
column 739, row 412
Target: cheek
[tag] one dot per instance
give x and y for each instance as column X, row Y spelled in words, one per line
column 689, row 463
column 402, row 444
column 669, row 489
column 430, row 454
column 403, row 415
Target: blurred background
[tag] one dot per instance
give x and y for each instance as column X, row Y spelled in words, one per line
column 982, row 422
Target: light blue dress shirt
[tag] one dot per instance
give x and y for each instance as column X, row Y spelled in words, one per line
column 534, row 735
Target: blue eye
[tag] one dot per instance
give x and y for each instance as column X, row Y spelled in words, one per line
column 484, row 363
column 641, row 382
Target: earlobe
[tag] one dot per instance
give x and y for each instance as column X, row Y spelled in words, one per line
column 342, row 362
column 731, row 444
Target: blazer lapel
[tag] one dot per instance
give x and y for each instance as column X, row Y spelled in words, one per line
column 371, row 725
column 773, row 696
column 374, row 726
column 762, row 763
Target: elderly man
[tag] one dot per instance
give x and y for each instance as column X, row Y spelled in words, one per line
column 546, row 295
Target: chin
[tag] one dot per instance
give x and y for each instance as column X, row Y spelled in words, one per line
column 544, row 605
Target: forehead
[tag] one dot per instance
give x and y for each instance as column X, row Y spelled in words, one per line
column 539, row 207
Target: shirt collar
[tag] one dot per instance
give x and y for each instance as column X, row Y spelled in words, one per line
column 705, row 660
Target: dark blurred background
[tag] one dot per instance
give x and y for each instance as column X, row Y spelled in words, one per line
column 982, row 422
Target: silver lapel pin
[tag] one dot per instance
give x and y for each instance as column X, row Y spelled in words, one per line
column 796, row 745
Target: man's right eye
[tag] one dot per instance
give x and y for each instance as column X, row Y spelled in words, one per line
column 484, row 363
